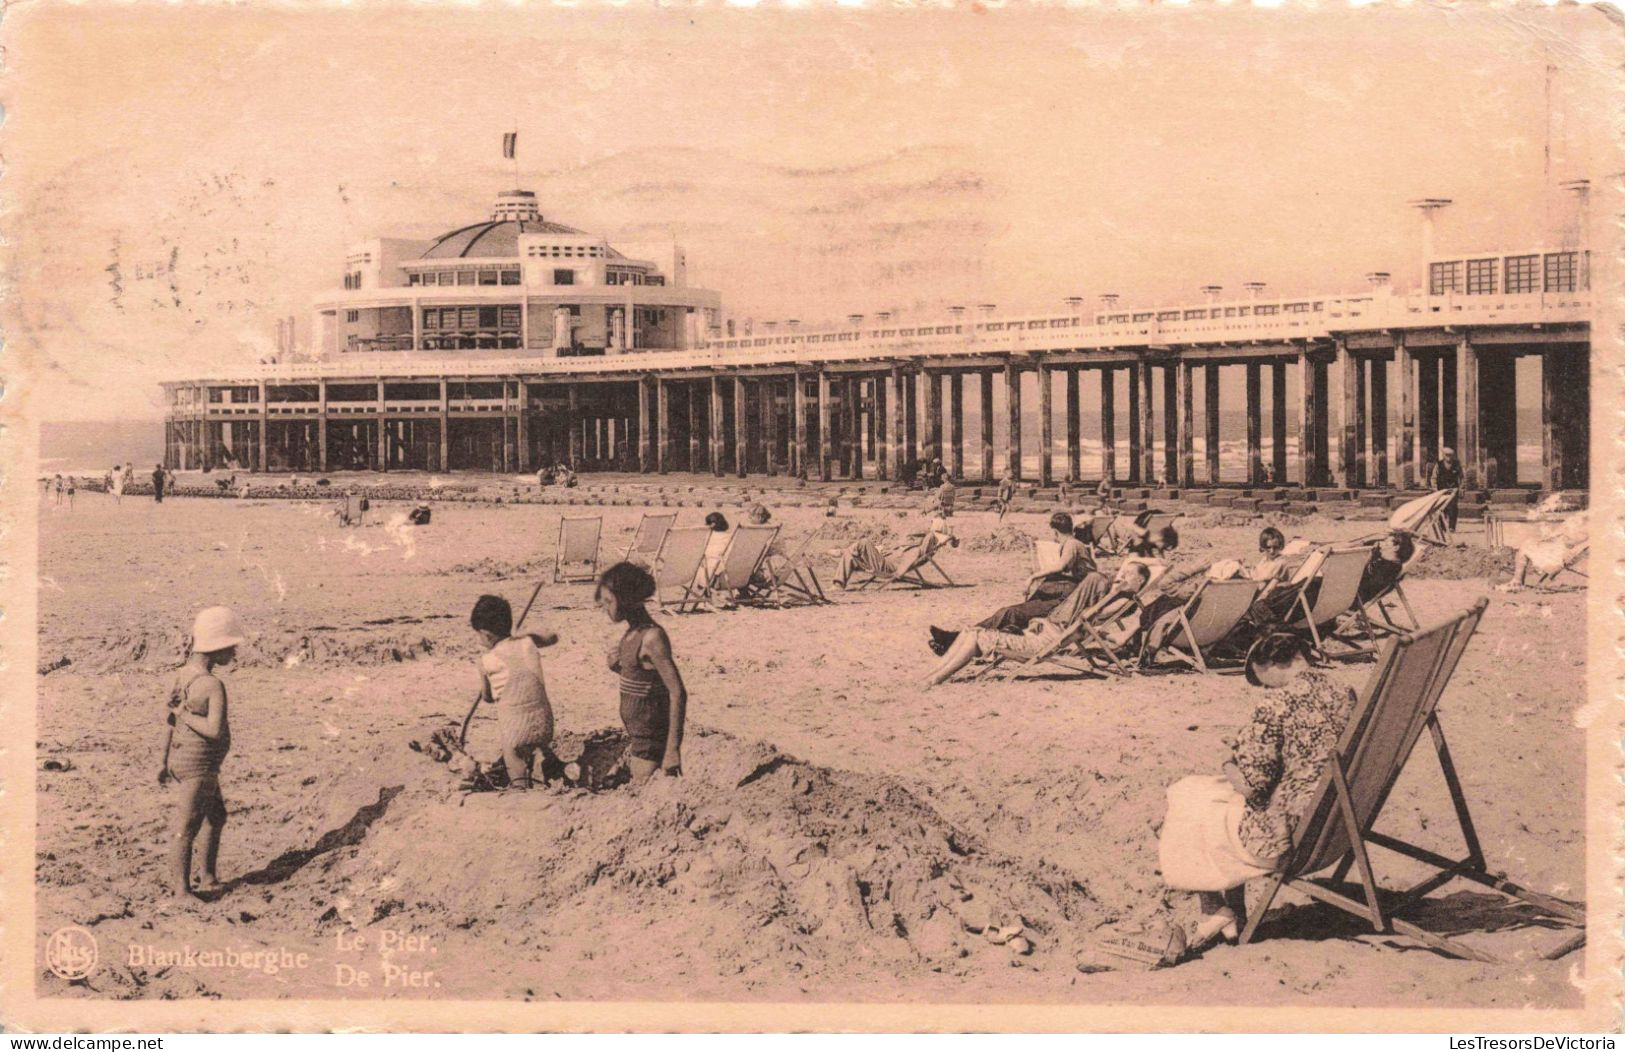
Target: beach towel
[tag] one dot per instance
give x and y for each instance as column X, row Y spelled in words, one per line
column 1200, row 846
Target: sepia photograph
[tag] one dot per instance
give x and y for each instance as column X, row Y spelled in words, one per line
column 729, row 518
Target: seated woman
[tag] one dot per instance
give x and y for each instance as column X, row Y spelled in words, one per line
column 1052, row 581
column 1272, row 565
column 1221, row 831
column 1387, row 565
column 1044, row 631
column 866, row 557
column 1558, row 544
column 1176, row 580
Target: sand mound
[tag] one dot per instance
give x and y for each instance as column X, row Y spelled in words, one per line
column 842, row 531
column 1002, row 539
column 763, row 860
column 156, row 650
column 1461, row 561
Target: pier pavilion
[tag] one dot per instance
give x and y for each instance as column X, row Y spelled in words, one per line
column 518, row 342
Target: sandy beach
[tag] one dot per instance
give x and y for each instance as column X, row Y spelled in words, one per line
column 838, row 834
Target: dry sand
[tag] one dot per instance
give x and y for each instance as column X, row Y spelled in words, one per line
column 838, row 835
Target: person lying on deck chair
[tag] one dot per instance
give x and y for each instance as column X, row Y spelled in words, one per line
column 1222, row 830
column 1053, row 581
column 965, row 647
column 1559, row 543
column 1179, row 580
column 1386, row 566
column 866, row 557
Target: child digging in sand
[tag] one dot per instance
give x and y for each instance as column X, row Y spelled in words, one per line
column 196, row 742
column 654, row 701
column 511, row 679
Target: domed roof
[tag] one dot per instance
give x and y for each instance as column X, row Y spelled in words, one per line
column 492, row 238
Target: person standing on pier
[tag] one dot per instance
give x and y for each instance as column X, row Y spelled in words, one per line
column 1447, row 475
column 158, row 483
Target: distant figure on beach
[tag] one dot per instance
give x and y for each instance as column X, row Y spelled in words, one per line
column 654, row 702
column 129, row 475
column 1447, row 475
column 1006, row 495
column 947, row 497
column 196, row 742
column 72, row 486
column 58, row 486
column 1063, row 492
column 510, row 677
column 158, row 483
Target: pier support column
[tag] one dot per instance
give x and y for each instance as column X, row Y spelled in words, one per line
column 1362, row 471
column 1074, row 428
column 824, row 450
column 321, row 424
column 645, row 446
column 1497, row 417
column 1211, row 422
column 263, row 464
column 1278, row 457
column 1170, row 425
column 882, row 426
column 573, row 422
column 899, row 420
column 1255, row 424
column 445, row 427
column 663, row 448
column 1134, row 432
column 1565, row 418
column 691, row 404
column 1470, row 450
column 523, row 428
column 1148, row 436
column 911, row 422
column 987, row 426
column 1307, row 412
column 932, row 393
column 1046, row 425
column 1108, row 424
column 745, row 439
column 1348, row 470
column 798, row 410
column 714, row 422
column 383, row 427
column 1405, row 419
column 956, row 427
column 508, row 428
column 854, row 420
column 769, row 425
column 1012, row 393
column 1427, row 414
column 1448, row 435
column 1379, row 473
column 1187, row 426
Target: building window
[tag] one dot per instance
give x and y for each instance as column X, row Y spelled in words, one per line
column 564, row 277
column 510, row 277
column 1562, row 272
column 1444, row 278
column 1522, row 275
column 1297, row 308
column 1267, row 308
column 1481, row 277
column 488, row 277
column 465, row 277
column 352, row 316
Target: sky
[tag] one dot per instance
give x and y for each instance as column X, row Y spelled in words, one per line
column 177, row 178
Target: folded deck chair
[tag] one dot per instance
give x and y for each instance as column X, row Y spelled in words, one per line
column 678, row 580
column 577, row 558
column 741, row 560
column 1423, row 517
column 1208, row 618
column 916, row 561
column 1333, row 591
column 788, row 580
column 648, row 537
column 1398, row 703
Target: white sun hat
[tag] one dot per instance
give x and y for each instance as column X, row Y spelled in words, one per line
column 216, row 628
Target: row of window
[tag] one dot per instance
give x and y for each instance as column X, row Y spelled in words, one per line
column 466, row 276
column 352, row 280
column 1519, row 275
column 566, row 252
column 632, row 277
column 436, row 319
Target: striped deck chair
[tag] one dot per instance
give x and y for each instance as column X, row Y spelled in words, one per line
column 649, row 536
column 1208, row 618
column 789, row 580
column 918, row 559
column 1398, row 703
column 677, row 568
column 1333, row 590
column 740, row 561
column 577, row 557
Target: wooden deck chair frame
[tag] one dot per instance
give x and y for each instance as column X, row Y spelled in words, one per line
column 641, row 545
column 1430, row 530
column 1571, row 563
column 1398, row 703
column 921, row 557
column 740, row 561
column 683, row 576
column 1198, row 611
column 1319, row 610
column 1083, row 637
column 792, row 579
column 579, row 568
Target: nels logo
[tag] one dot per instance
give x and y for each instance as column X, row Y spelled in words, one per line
column 70, row 952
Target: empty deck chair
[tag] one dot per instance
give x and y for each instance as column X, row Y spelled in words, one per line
column 1208, row 618
column 649, row 536
column 740, row 560
column 1333, row 591
column 1398, row 703
column 789, row 580
column 678, row 581
column 918, row 559
column 577, row 558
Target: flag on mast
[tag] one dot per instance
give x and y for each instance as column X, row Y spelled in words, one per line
column 509, row 141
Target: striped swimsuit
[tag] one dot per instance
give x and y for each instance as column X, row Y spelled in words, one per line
column 191, row 755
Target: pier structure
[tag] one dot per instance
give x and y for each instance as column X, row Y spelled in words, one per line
column 431, row 359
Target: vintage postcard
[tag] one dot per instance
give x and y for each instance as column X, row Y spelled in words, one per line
column 753, row 517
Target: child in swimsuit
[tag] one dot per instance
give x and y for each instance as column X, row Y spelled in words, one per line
column 197, row 739
column 511, row 679
column 654, row 701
